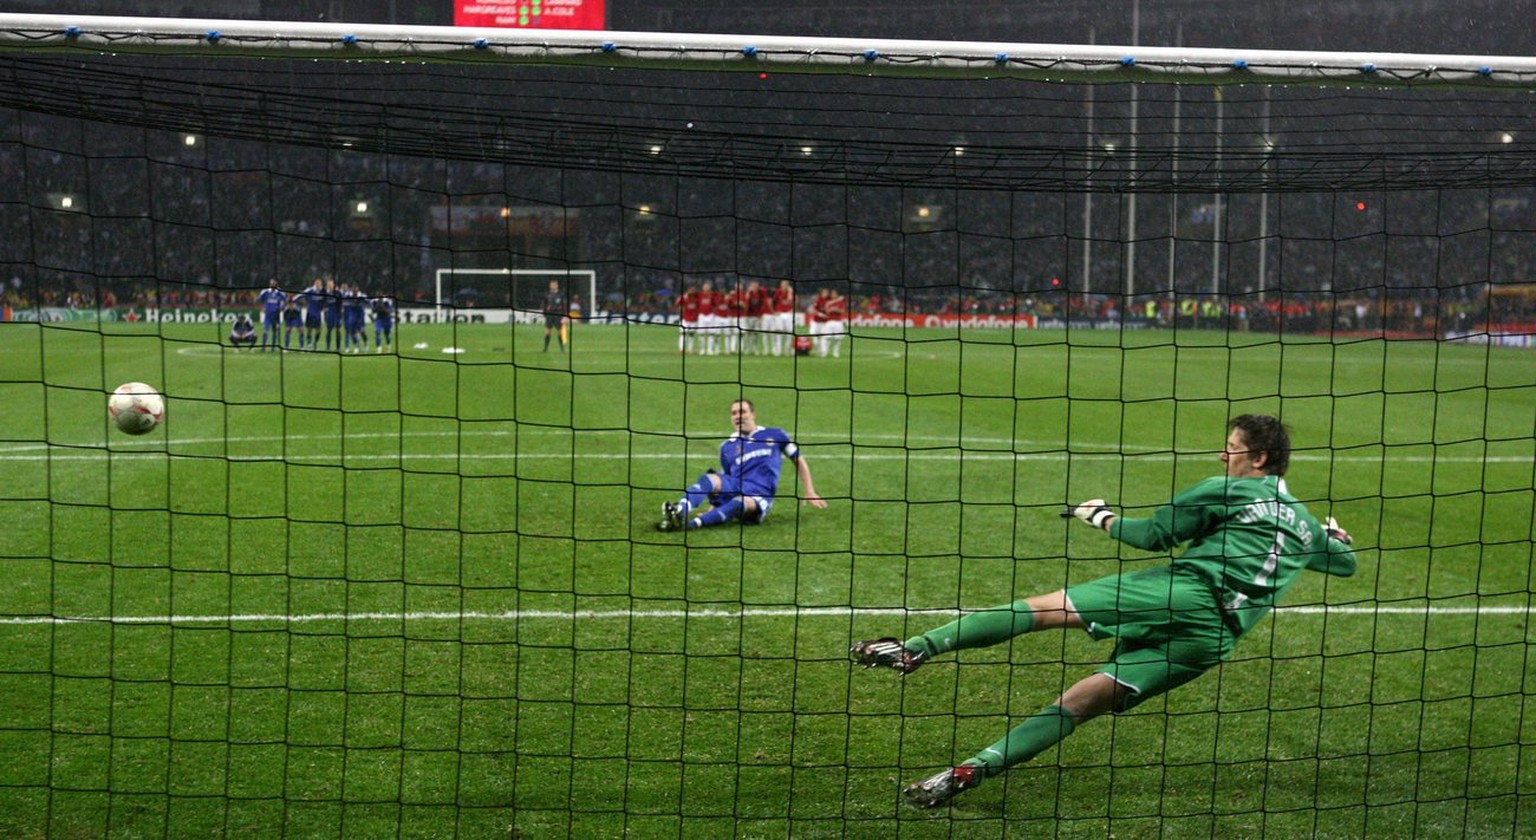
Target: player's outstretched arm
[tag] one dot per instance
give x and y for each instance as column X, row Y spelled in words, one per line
column 1338, row 557
column 1156, row 533
column 1095, row 512
column 1336, row 531
column 808, row 487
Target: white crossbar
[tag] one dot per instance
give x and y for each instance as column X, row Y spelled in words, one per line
column 671, row 50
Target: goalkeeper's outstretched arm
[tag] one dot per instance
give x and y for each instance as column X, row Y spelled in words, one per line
column 1095, row 512
column 1183, row 519
column 1338, row 555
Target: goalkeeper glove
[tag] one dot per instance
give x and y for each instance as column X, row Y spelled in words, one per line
column 1332, row 529
column 1095, row 512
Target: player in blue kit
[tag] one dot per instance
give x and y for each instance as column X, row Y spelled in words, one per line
column 383, row 324
column 272, row 300
column 354, row 315
column 314, row 305
column 243, row 333
column 293, row 323
column 748, row 480
column 331, row 315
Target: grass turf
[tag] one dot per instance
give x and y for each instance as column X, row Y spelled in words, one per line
column 421, row 594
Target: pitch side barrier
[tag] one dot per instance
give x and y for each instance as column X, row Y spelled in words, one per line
column 424, row 315
column 411, row 315
column 1523, row 335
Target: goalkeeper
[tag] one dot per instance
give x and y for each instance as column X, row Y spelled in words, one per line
column 1247, row 539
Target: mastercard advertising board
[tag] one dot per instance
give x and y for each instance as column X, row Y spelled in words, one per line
column 530, row 14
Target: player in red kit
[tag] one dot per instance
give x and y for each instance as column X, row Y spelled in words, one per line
column 688, row 320
column 818, row 315
column 734, row 301
column 780, row 326
column 836, row 328
column 754, row 336
column 710, row 321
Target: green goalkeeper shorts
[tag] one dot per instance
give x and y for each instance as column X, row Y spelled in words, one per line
column 1168, row 628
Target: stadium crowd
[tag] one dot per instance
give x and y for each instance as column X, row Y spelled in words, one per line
column 166, row 220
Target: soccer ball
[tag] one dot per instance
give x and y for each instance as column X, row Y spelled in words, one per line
column 136, row 408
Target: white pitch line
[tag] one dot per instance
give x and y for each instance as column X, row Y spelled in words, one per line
column 981, row 444
column 947, row 454
column 711, row 435
column 751, row 612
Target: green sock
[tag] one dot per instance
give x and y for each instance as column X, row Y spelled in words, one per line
column 978, row 629
column 1035, row 735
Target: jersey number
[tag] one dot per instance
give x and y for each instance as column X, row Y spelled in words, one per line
column 1271, row 563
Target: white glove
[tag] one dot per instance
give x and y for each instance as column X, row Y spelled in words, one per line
column 1332, row 529
column 1095, row 512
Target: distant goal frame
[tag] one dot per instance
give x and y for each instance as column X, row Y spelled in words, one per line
column 439, row 304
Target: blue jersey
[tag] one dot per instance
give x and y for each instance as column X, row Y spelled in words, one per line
column 314, row 303
column 272, row 301
column 755, row 459
column 353, row 309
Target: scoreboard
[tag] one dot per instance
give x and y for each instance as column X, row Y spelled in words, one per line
column 531, row 14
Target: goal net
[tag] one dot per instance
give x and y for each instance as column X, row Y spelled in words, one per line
column 422, row 590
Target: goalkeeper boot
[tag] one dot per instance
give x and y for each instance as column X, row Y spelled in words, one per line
column 941, row 787
column 886, row 653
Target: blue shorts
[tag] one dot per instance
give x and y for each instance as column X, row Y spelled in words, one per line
column 730, row 488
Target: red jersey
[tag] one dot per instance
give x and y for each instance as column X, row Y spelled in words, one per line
column 757, row 303
column 709, row 301
column 688, row 306
column 735, row 304
column 819, row 308
column 837, row 308
column 783, row 299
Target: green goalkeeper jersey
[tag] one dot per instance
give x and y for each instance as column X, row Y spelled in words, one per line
column 1247, row 538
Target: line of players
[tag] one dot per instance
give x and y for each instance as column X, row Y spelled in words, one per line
column 337, row 310
column 753, row 319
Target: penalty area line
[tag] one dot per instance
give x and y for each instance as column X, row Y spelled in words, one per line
column 731, row 614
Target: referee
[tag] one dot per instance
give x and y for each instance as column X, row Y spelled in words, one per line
column 555, row 313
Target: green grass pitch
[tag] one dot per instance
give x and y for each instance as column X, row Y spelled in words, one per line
column 421, row 594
